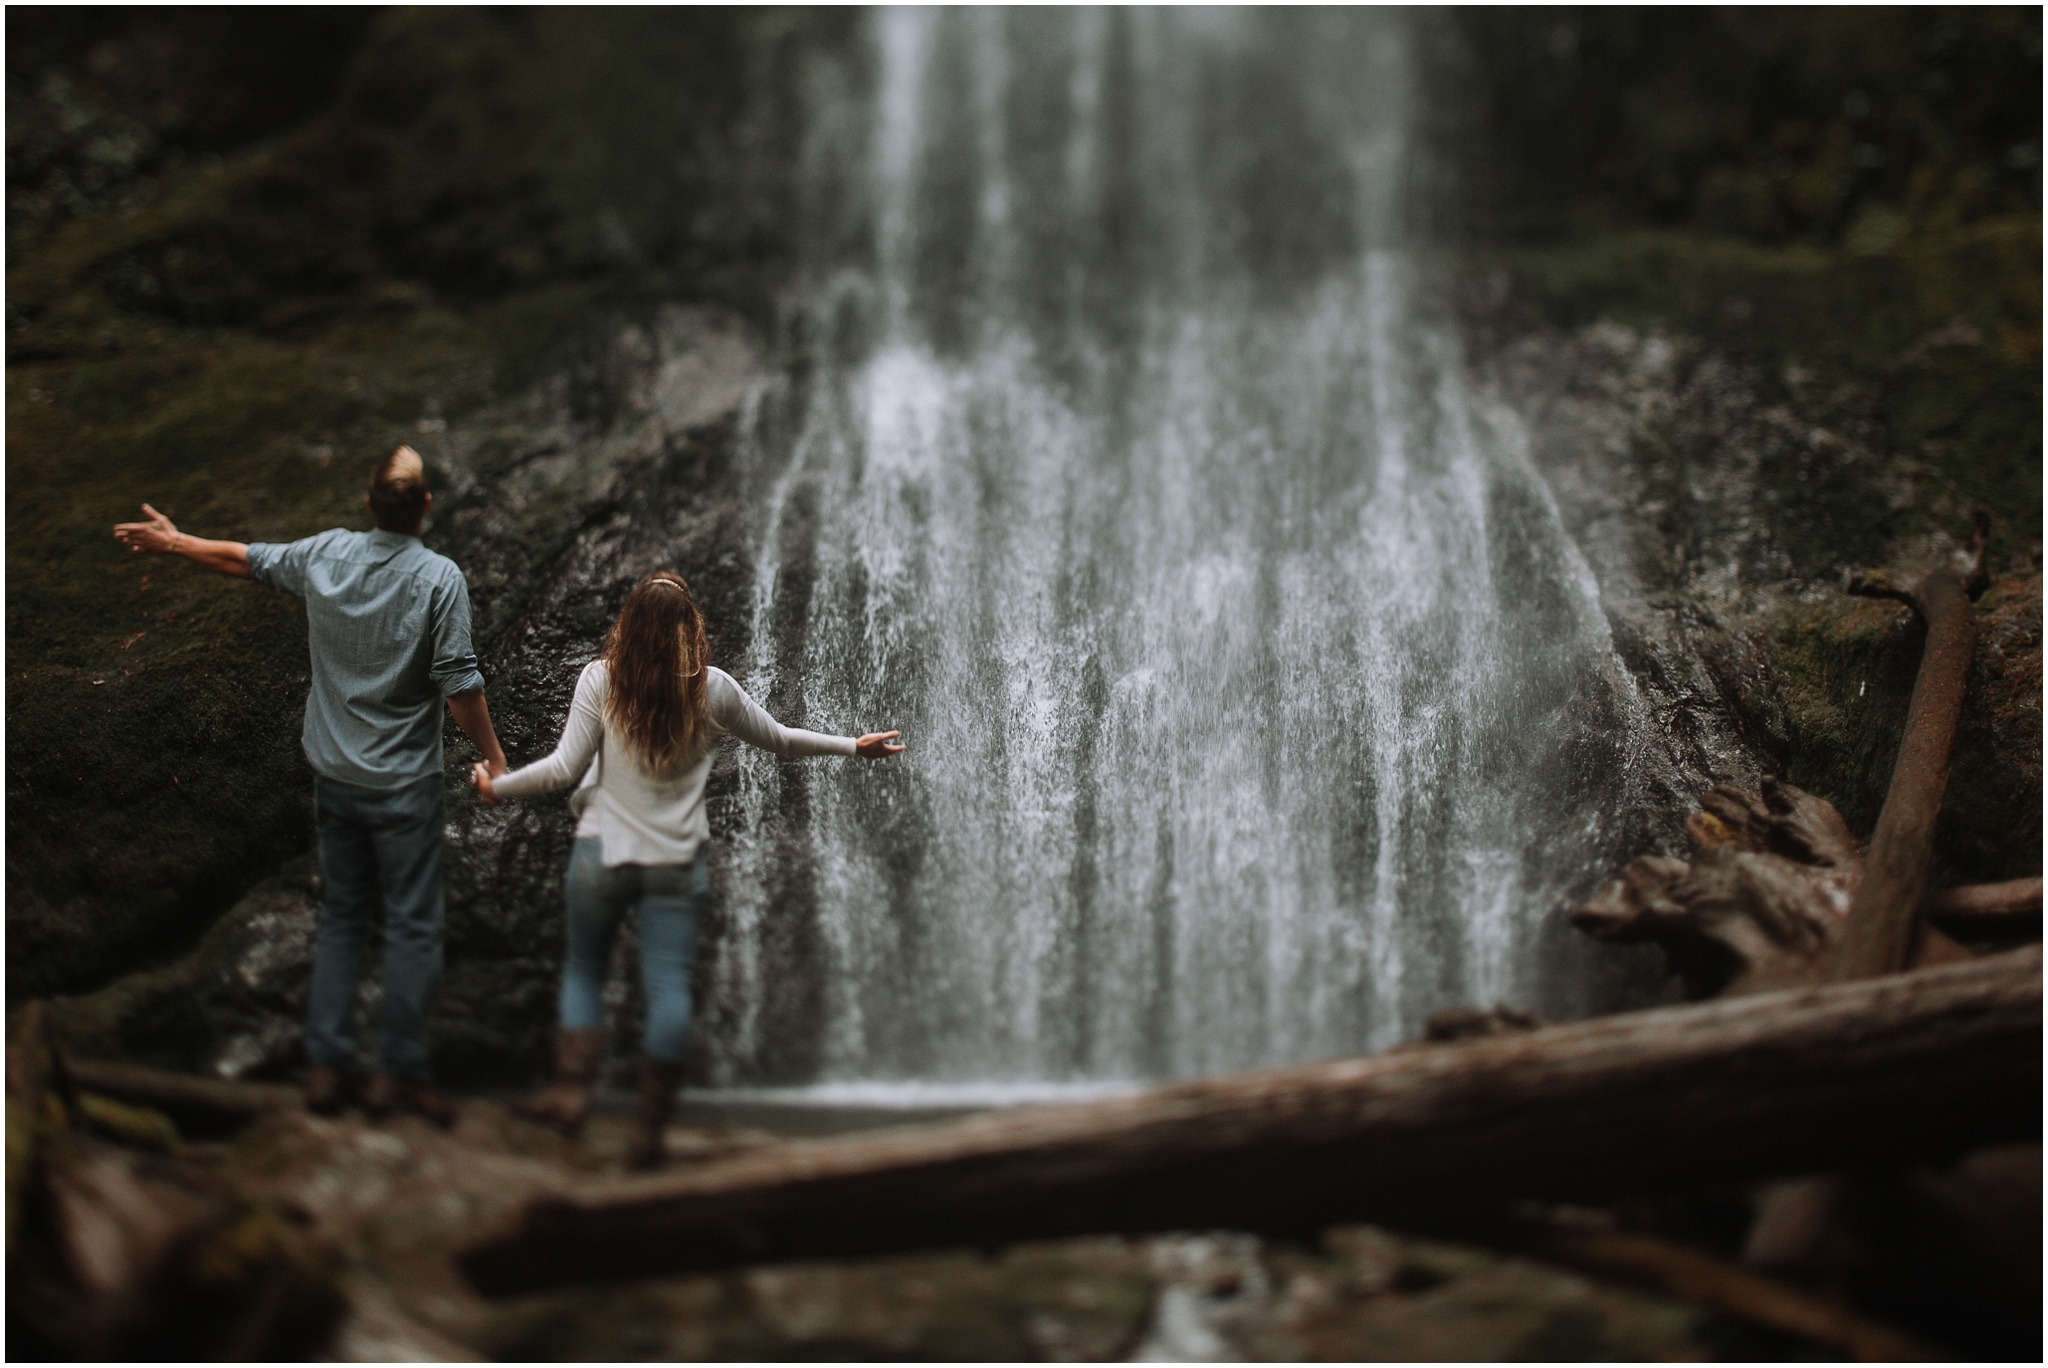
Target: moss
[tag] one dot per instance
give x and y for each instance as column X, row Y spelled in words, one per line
column 1832, row 706
column 454, row 225
column 1850, row 383
column 245, row 975
column 140, row 1127
column 1932, row 347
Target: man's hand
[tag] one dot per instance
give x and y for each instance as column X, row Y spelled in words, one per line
column 876, row 745
column 481, row 776
column 159, row 536
column 155, row 537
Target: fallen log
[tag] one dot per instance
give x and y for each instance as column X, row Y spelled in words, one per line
column 1985, row 906
column 1702, row 1280
column 1883, row 913
column 1887, row 1071
column 1883, row 928
column 198, row 1104
column 1763, row 903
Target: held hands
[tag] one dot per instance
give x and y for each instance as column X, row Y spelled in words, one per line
column 157, row 536
column 876, row 745
column 481, row 776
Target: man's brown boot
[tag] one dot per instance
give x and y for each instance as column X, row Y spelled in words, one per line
column 386, row 1095
column 328, row 1091
column 658, row 1084
column 565, row 1103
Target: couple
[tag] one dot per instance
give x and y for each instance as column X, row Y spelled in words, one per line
column 388, row 630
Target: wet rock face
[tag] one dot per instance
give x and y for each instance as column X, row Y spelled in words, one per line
column 553, row 519
column 233, row 281
column 232, row 1006
column 552, row 539
column 1723, row 586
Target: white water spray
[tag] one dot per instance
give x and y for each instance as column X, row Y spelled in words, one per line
column 1257, row 701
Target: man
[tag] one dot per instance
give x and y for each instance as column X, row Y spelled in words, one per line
column 388, row 627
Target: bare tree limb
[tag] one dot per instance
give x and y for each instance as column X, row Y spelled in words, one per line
column 1879, row 936
column 1988, row 904
column 1702, row 1280
column 184, row 1097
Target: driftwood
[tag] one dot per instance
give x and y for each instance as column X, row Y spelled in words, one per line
column 1761, row 903
column 1765, row 899
column 200, row 1105
column 1884, row 913
column 1778, row 891
column 1716, row 1285
column 1889, row 1071
column 1981, row 907
column 1883, row 925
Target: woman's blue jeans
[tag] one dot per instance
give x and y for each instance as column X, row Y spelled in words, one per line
column 665, row 899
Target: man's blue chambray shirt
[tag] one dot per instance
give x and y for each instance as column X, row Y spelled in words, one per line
column 388, row 625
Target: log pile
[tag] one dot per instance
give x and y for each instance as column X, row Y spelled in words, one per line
column 1778, row 891
column 122, row 1243
column 1912, row 1067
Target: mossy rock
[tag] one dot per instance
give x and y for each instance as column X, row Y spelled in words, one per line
column 232, row 1005
column 1839, row 676
column 1931, row 349
column 446, row 234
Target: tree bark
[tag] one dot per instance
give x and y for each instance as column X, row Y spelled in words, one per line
column 197, row 1104
column 1883, row 926
column 1882, row 915
column 1717, row 1285
column 1988, row 905
column 1888, row 1071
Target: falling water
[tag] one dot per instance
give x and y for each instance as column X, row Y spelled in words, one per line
column 1257, row 702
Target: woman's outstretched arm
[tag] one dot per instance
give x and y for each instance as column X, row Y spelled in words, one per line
column 734, row 711
column 572, row 754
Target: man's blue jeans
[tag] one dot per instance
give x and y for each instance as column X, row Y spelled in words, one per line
column 377, row 845
column 665, row 899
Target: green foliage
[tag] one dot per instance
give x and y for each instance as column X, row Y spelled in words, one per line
column 1828, row 126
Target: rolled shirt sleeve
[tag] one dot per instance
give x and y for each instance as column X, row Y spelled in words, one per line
column 282, row 565
column 454, row 670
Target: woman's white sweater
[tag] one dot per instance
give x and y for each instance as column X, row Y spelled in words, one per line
column 641, row 818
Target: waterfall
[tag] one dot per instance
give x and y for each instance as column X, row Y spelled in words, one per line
column 1257, row 702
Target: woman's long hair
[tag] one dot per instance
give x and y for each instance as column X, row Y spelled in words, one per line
column 656, row 657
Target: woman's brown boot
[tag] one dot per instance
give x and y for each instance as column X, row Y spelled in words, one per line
column 565, row 1103
column 658, row 1084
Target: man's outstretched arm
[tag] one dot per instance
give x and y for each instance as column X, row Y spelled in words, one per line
column 159, row 537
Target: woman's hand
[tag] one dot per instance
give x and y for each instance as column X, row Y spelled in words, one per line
column 480, row 775
column 876, row 745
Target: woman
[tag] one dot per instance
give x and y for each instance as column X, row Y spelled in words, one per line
column 648, row 710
